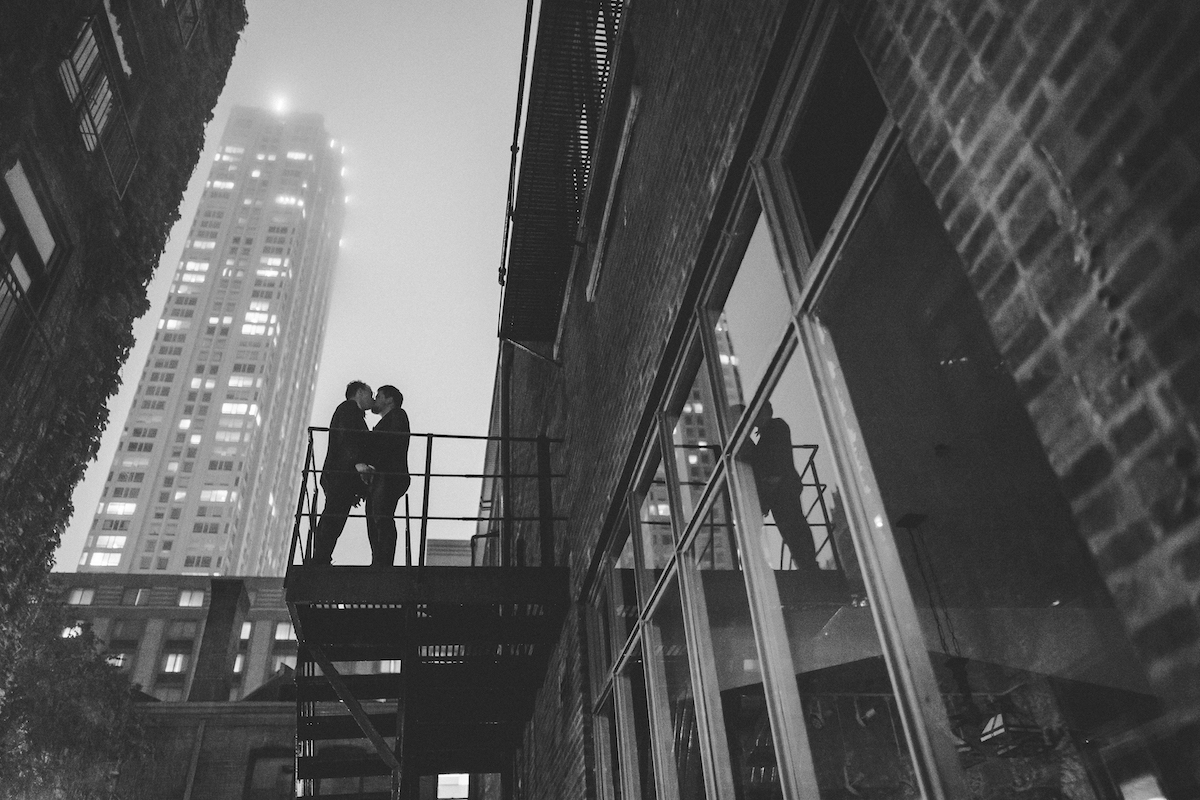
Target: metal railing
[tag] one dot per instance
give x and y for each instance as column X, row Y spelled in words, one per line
column 493, row 519
column 814, row 505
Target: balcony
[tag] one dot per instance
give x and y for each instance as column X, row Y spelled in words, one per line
column 464, row 648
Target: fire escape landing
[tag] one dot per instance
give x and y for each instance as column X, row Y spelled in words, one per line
column 463, row 651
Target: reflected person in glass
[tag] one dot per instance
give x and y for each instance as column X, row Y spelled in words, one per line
column 780, row 487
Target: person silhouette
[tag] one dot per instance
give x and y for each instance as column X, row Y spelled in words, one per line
column 780, row 487
column 343, row 489
column 386, row 473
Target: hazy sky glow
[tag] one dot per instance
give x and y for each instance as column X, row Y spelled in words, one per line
column 421, row 94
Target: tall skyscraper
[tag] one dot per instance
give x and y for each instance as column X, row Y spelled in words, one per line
column 206, row 473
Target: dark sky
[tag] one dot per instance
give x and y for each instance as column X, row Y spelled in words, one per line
column 421, row 94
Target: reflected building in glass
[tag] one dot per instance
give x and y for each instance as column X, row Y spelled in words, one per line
column 871, row 371
column 204, row 479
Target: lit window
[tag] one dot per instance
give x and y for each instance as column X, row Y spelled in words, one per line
column 295, row 156
column 272, row 261
column 234, row 408
column 256, row 316
column 237, row 151
column 175, row 662
column 239, row 662
column 81, row 597
column 71, row 631
column 25, row 250
column 191, row 598
column 195, row 266
column 267, row 273
column 391, row 665
column 184, row 424
column 287, row 200
column 106, row 559
column 118, row 660
column 284, row 632
column 247, row 627
column 192, row 278
column 256, row 173
column 240, row 381
column 180, row 495
column 214, row 495
column 228, row 436
column 254, row 330
column 222, row 184
column 202, row 244
column 122, row 509
column 110, row 542
column 259, row 305
column 286, row 660
column 453, row 787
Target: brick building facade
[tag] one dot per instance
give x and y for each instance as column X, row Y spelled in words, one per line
column 101, row 123
column 937, row 251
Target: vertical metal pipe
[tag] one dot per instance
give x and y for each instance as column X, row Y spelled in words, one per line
column 506, row 532
column 545, row 502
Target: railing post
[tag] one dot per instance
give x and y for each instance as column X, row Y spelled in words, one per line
column 407, row 532
column 425, row 499
column 545, row 502
column 308, row 460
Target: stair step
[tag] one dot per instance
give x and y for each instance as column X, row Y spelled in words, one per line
column 364, row 687
column 343, row 727
column 308, row 767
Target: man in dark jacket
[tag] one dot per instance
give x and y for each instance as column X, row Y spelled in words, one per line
column 389, row 478
column 339, row 476
column 780, row 486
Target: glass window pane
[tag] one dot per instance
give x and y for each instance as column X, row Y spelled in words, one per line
column 31, row 211
column 600, row 639
column 635, row 677
column 654, row 521
column 749, row 326
column 714, row 553
column 1021, row 633
column 695, row 442
column 671, row 656
column 854, row 732
column 843, row 106
column 625, row 600
column 608, row 750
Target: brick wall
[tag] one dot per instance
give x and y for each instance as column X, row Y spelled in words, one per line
column 1060, row 140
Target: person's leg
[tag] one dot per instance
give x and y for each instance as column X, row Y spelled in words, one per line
column 788, row 510
column 381, row 511
column 330, row 526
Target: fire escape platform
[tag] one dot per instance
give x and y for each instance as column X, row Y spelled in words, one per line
column 471, row 645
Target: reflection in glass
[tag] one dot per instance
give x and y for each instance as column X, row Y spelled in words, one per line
column 856, row 741
column 634, row 673
column 654, row 519
column 672, row 656
column 714, row 553
column 606, row 719
column 1032, row 659
column 749, row 326
column 695, row 442
column 625, row 605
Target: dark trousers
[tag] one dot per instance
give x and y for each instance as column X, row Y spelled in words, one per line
column 382, row 498
column 333, row 520
column 788, row 510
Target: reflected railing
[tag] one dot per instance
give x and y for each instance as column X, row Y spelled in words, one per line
column 816, row 508
column 512, row 504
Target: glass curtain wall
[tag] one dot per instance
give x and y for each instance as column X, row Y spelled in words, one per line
column 846, row 568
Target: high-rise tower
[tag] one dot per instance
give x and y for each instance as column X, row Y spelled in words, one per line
column 204, row 477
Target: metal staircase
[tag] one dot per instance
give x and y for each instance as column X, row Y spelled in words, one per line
column 464, row 649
